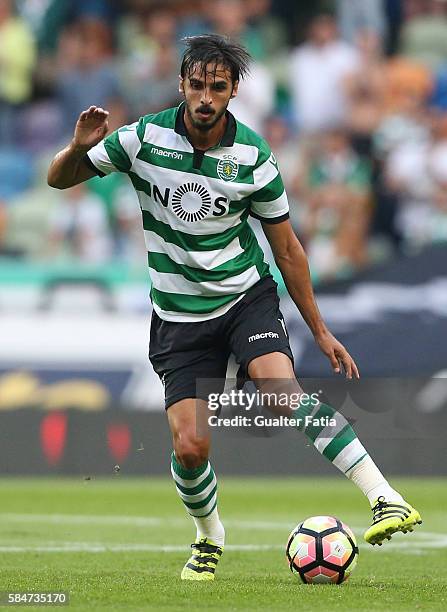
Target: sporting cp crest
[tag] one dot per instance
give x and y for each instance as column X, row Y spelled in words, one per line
column 227, row 168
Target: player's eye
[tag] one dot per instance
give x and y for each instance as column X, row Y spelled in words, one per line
column 196, row 84
column 220, row 86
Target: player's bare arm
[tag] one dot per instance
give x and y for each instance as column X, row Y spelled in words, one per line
column 68, row 167
column 292, row 261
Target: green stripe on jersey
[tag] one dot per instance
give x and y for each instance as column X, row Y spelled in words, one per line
column 192, row 242
column 116, row 152
column 140, row 184
column 194, row 304
column 270, row 192
column 198, row 210
column 250, row 245
column 163, row 263
column 164, row 119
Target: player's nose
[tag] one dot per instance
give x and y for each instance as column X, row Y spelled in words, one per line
column 206, row 97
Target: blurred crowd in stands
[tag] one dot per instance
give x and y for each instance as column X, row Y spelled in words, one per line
column 350, row 94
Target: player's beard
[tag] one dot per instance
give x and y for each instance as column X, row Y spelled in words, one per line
column 199, row 125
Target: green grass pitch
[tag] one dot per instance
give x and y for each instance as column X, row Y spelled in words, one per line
column 120, row 543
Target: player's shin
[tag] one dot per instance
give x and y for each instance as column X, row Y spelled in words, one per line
column 197, row 489
column 335, row 439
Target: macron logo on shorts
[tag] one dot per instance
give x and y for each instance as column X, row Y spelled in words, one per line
column 268, row 334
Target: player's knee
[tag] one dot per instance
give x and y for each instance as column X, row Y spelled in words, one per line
column 192, row 452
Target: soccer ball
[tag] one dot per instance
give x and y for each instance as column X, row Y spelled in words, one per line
column 322, row 550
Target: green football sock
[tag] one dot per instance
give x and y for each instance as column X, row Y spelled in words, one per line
column 337, row 442
column 197, row 489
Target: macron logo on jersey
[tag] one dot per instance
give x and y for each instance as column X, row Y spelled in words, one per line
column 171, row 154
column 268, row 334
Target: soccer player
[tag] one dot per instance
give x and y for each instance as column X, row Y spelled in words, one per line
column 199, row 174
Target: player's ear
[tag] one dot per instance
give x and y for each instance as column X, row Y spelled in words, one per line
column 235, row 88
column 180, row 85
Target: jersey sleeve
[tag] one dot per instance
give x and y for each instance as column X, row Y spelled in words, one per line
column 117, row 152
column 269, row 201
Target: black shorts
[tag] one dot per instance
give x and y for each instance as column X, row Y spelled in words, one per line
column 182, row 353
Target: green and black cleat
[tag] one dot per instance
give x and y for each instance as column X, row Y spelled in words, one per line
column 390, row 517
column 203, row 561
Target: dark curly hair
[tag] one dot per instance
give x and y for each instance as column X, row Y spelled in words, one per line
column 214, row 49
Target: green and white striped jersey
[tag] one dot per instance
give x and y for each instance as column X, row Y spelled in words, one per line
column 202, row 253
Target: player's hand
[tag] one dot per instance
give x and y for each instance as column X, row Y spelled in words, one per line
column 337, row 354
column 91, row 128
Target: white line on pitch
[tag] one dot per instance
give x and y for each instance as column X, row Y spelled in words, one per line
column 155, row 521
column 100, row 548
column 134, row 521
column 88, row 547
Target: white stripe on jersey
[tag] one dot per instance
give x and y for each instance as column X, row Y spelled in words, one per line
column 264, row 174
column 166, row 138
column 272, row 209
column 247, row 155
column 129, row 140
column 176, row 283
column 205, row 260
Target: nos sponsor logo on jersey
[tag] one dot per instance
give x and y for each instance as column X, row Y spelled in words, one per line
column 228, row 168
column 190, row 202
